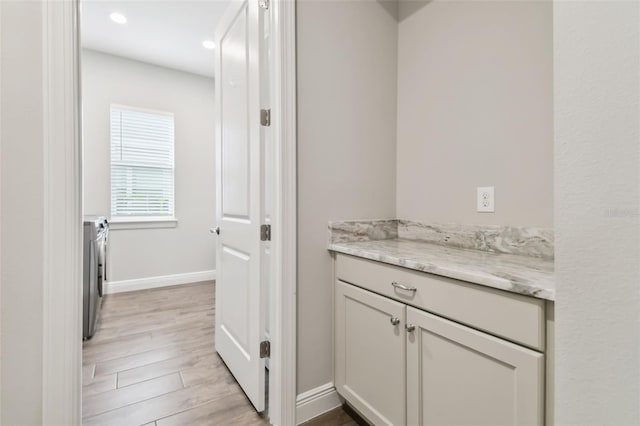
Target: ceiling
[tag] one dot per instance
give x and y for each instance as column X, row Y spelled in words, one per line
column 162, row 32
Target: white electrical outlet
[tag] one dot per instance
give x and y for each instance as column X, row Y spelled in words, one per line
column 486, row 199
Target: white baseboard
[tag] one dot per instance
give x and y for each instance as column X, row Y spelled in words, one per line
column 112, row 287
column 315, row 402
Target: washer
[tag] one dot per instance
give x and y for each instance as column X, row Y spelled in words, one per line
column 96, row 236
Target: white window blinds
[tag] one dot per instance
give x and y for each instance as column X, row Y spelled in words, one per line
column 142, row 162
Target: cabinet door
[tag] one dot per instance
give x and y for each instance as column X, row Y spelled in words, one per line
column 459, row 376
column 370, row 354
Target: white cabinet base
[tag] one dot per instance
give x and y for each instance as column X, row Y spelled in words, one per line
column 445, row 354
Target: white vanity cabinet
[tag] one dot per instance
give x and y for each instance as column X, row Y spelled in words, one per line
column 407, row 354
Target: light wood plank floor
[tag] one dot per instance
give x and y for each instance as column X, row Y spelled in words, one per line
column 152, row 361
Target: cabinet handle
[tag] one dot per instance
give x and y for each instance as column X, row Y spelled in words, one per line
column 394, row 321
column 403, row 287
column 409, row 327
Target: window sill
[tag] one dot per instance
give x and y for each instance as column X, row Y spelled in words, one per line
column 122, row 223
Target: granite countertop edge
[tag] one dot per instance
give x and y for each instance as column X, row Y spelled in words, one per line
column 538, row 284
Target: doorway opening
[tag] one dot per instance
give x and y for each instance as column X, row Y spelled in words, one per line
column 183, row 284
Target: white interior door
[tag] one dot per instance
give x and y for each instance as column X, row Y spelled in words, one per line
column 240, row 311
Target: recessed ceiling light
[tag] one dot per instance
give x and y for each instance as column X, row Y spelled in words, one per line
column 118, row 18
column 208, row 44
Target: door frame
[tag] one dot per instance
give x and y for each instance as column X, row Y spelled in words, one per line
column 283, row 280
column 62, row 278
column 62, row 233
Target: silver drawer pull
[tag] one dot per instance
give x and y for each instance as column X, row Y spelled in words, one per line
column 410, row 327
column 403, row 287
column 394, row 320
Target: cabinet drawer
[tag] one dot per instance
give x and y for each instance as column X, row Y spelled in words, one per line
column 512, row 316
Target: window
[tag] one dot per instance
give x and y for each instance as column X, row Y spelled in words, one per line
column 142, row 163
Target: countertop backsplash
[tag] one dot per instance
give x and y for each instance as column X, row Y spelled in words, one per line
column 523, row 241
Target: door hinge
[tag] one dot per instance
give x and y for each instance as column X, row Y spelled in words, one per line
column 265, row 117
column 265, row 232
column 265, row 349
column 264, row 4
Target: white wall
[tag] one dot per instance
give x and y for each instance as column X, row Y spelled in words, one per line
column 346, row 151
column 597, row 213
column 475, row 108
column 153, row 252
column 22, row 206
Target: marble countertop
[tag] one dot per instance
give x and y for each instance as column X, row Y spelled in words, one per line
column 530, row 276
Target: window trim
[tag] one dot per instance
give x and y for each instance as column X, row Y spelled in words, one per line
column 150, row 221
column 142, row 222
